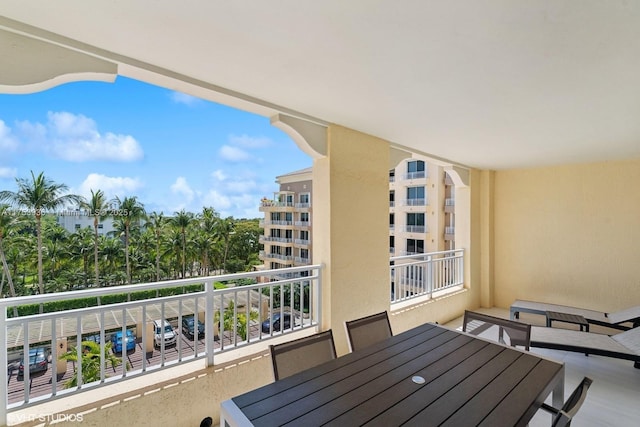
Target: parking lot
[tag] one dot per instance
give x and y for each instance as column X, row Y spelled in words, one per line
column 41, row 383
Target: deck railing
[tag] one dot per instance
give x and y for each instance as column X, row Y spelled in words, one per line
column 232, row 317
column 420, row 275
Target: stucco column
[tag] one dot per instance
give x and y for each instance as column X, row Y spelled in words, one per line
column 351, row 228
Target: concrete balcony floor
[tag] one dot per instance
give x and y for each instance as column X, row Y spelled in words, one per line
column 613, row 397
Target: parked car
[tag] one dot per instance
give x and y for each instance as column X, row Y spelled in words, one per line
column 188, row 327
column 278, row 324
column 116, row 341
column 38, row 361
column 163, row 331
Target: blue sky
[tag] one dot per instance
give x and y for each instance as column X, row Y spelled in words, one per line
column 129, row 138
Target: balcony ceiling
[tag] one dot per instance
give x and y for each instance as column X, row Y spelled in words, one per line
column 492, row 84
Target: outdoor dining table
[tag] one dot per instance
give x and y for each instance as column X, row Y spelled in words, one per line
column 427, row 376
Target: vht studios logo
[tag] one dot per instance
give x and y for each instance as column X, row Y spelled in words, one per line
column 49, row 418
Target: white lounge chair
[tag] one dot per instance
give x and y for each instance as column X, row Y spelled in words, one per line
column 615, row 320
column 625, row 345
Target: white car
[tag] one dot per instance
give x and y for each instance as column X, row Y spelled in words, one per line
column 162, row 330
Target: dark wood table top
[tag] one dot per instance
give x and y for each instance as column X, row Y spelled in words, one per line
column 467, row 381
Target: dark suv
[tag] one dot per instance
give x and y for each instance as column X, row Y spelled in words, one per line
column 278, row 324
column 38, row 361
column 189, row 325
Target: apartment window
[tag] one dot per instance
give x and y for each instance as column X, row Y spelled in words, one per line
column 275, row 232
column 415, row 196
column 288, row 216
column 415, row 223
column 415, row 166
column 288, row 234
column 304, row 235
column 392, row 198
column 288, row 251
column 415, row 246
column 275, row 216
column 304, row 253
column 304, row 216
column 305, row 198
column 392, row 219
column 415, row 169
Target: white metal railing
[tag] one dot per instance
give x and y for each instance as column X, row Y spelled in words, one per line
column 415, row 202
column 232, row 317
column 415, row 228
column 263, row 238
column 415, row 175
column 423, row 274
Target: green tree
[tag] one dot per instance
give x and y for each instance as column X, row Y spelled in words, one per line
column 90, row 362
column 156, row 224
column 97, row 207
column 7, row 222
column 38, row 195
column 182, row 220
column 223, row 231
column 80, row 246
column 130, row 211
column 241, row 322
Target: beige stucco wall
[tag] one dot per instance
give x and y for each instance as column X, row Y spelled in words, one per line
column 351, row 228
column 569, row 235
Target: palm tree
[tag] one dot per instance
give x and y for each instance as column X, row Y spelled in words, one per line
column 38, row 195
column 7, row 221
column 156, row 224
column 130, row 211
column 90, row 362
column 97, row 206
column 182, row 220
column 223, row 230
column 208, row 219
column 80, row 245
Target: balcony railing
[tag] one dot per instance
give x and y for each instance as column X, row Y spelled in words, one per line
column 414, row 202
column 415, row 175
column 415, row 229
column 232, row 317
column 424, row 274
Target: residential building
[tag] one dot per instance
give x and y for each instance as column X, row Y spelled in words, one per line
column 74, row 220
column 421, row 214
column 287, row 222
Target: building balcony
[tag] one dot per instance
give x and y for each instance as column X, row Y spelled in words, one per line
column 420, row 229
column 450, row 205
column 414, row 202
column 280, row 240
column 449, row 233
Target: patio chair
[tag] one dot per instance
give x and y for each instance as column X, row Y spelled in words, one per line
column 519, row 333
column 624, row 345
column 295, row 356
column 368, row 330
column 563, row 416
column 615, row 320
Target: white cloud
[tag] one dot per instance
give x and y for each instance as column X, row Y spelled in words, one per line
column 247, row 141
column 8, row 172
column 111, row 186
column 219, row 201
column 8, row 142
column 75, row 138
column 183, row 98
column 233, row 154
column 219, row 175
column 181, row 187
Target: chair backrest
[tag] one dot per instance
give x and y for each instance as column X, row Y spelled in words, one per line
column 563, row 416
column 519, row 333
column 298, row 355
column 368, row 330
